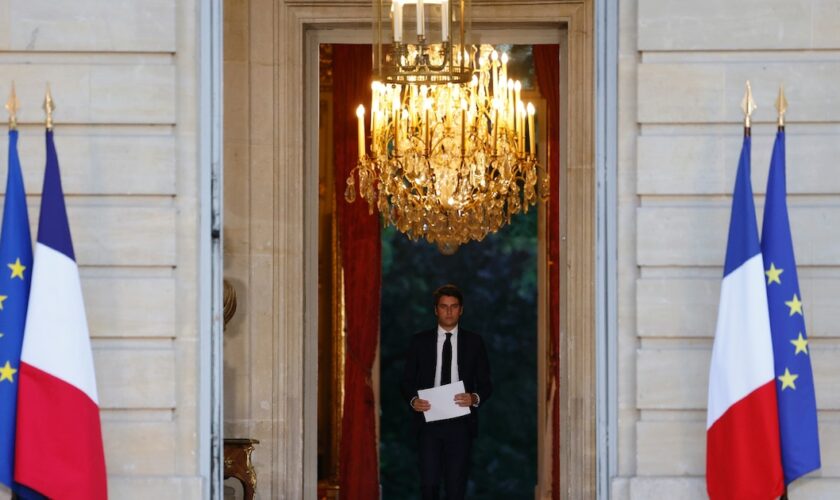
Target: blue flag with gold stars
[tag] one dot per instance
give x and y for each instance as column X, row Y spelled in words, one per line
column 792, row 354
column 15, row 268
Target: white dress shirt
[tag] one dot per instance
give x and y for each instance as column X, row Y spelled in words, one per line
column 454, row 341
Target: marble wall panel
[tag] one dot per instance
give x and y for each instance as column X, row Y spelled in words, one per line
column 695, row 233
column 684, row 488
column 678, row 448
column 135, row 377
column 694, row 488
column 139, row 448
column 129, row 306
column 706, row 164
column 89, row 25
column 135, row 92
column 711, row 91
column 677, row 378
column 119, row 235
column 100, row 161
column 687, row 307
column 723, row 24
column 127, row 487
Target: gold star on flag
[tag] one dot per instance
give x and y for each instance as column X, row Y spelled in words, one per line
column 17, row 269
column 788, row 379
column 2, row 299
column 773, row 274
column 795, row 305
column 801, row 344
column 7, row 372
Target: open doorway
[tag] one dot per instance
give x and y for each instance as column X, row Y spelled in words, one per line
column 503, row 278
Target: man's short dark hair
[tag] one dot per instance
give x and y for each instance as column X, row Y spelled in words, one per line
column 448, row 290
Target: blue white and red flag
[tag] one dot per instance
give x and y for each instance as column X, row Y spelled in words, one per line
column 742, row 427
column 59, row 439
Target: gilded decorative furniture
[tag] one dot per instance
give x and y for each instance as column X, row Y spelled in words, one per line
column 238, row 464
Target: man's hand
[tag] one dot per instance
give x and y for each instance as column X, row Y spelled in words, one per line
column 464, row 399
column 421, row 405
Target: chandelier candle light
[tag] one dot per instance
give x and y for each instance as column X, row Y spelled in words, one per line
column 448, row 161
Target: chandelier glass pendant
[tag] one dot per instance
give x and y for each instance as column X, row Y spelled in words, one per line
column 452, row 154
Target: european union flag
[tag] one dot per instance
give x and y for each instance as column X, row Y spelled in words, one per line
column 15, row 272
column 791, row 352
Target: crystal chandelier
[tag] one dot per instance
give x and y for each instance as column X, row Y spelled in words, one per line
column 449, row 162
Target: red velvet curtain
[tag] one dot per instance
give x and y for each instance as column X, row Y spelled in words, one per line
column 547, row 68
column 360, row 258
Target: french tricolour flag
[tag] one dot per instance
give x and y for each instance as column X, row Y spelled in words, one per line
column 742, row 428
column 59, row 441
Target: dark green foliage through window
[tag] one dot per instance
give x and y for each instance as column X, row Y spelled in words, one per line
column 498, row 277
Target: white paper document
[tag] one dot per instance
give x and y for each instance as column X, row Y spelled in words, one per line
column 442, row 400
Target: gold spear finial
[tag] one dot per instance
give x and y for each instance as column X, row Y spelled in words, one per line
column 12, row 105
column 748, row 105
column 781, row 105
column 49, row 107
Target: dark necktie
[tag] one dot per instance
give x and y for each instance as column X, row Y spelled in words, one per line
column 446, row 365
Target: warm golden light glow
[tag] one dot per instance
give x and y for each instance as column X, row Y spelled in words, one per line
column 450, row 163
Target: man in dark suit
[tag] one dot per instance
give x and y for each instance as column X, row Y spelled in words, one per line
column 439, row 357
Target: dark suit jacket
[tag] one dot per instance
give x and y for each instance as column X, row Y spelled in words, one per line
column 473, row 369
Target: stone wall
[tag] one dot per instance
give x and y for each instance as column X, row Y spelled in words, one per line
column 681, row 80
column 123, row 75
column 249, row 361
